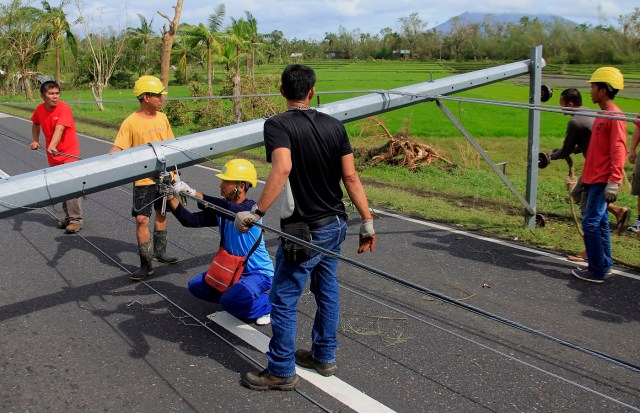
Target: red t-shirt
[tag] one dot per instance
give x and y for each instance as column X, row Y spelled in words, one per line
column 48, row 120
column 607, row 150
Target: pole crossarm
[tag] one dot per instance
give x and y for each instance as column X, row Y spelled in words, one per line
column 54, row 184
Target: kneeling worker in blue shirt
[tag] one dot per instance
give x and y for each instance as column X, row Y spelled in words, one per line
column 248, row 298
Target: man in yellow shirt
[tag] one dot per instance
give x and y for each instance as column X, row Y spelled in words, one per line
column 143, row 126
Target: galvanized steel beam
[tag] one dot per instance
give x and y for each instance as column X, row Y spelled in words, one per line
column 535, row 87
column 50, row 185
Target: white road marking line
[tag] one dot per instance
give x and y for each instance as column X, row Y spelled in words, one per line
column 3, row 174
column 495, row 241
column 333, row 386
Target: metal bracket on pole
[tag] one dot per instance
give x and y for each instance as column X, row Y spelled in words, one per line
column 159, row 151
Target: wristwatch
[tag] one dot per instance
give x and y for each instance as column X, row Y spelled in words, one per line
column 256, row 211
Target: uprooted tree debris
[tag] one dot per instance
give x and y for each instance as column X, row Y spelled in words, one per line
column 400, row 150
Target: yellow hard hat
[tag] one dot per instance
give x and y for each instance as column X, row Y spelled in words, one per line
column 239, row 170
column 609, row 75
column 148, row 84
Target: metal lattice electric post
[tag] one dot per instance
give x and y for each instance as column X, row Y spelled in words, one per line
column 47, row 186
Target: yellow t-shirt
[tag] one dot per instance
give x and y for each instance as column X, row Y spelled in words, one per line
column 137, row 130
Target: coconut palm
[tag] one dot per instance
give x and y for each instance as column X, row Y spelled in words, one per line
column 209, row 36
column 254, row 41
column 183, row 49
column 58, row 31
column 237, row 35
column 145, row 36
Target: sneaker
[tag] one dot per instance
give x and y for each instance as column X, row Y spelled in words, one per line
column 73, row 227
column 305, row 359
column 586, row 275
column 635, row 227
column 263, row 320
column 63, row 224
column 266, row 381
column 608, row 273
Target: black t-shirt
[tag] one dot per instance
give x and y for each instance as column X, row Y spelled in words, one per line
column 317, row 142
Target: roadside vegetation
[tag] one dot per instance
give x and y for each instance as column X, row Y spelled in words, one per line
column 455, row 186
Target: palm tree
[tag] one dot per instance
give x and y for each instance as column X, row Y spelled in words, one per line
column 237, row 33
column 208, row 35
column 59, row 30
column 254, row 41
column 182, row 50
column 238, row 37
column 144, row 35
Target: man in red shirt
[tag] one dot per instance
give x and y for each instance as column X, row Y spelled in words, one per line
column 54, row 118
column 603, row 173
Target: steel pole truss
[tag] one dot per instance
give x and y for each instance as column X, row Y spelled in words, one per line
column 50, row 185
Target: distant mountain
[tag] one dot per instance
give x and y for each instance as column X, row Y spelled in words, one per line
column 501, row 18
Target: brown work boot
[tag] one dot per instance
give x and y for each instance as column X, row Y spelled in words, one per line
column 63, row 224
column 73, row 227
column 305, row 359
column 266, row 381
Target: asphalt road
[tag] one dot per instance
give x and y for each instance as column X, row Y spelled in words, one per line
column 76, row 335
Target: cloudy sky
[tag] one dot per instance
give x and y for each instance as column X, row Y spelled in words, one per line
column 311, row 19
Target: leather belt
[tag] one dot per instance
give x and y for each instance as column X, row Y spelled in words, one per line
column 322, row 222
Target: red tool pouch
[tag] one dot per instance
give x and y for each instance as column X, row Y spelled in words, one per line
column 225, row 270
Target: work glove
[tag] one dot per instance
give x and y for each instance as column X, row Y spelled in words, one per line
column 244, row 220
column 182, row 188
column 367, row 236
column 611, row 192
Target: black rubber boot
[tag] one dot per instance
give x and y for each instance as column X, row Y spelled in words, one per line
column 160, row 248
column 146, row 259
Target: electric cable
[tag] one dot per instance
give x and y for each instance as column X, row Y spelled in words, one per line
column 628, row 116
column 193, row 317
column 441, row 296
column 493, row 350
column 297, row 390
column 367, row 269
column 430, row 292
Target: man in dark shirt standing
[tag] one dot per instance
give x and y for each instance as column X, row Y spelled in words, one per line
column 577, row 141
column 310, row 154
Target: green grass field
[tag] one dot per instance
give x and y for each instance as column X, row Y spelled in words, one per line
column 469, row 195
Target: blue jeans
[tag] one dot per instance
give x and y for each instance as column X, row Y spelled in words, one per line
column 595, row 225
column 246, row 299
column 288, row 284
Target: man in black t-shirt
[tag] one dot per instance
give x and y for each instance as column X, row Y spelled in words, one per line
column 310, row 154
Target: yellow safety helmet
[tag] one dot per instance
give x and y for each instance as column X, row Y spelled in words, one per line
column 148, row 84
column 609, row 75
column 239, row 170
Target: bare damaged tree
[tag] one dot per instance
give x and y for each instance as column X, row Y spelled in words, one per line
column 168, row 36
column 105, row 49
